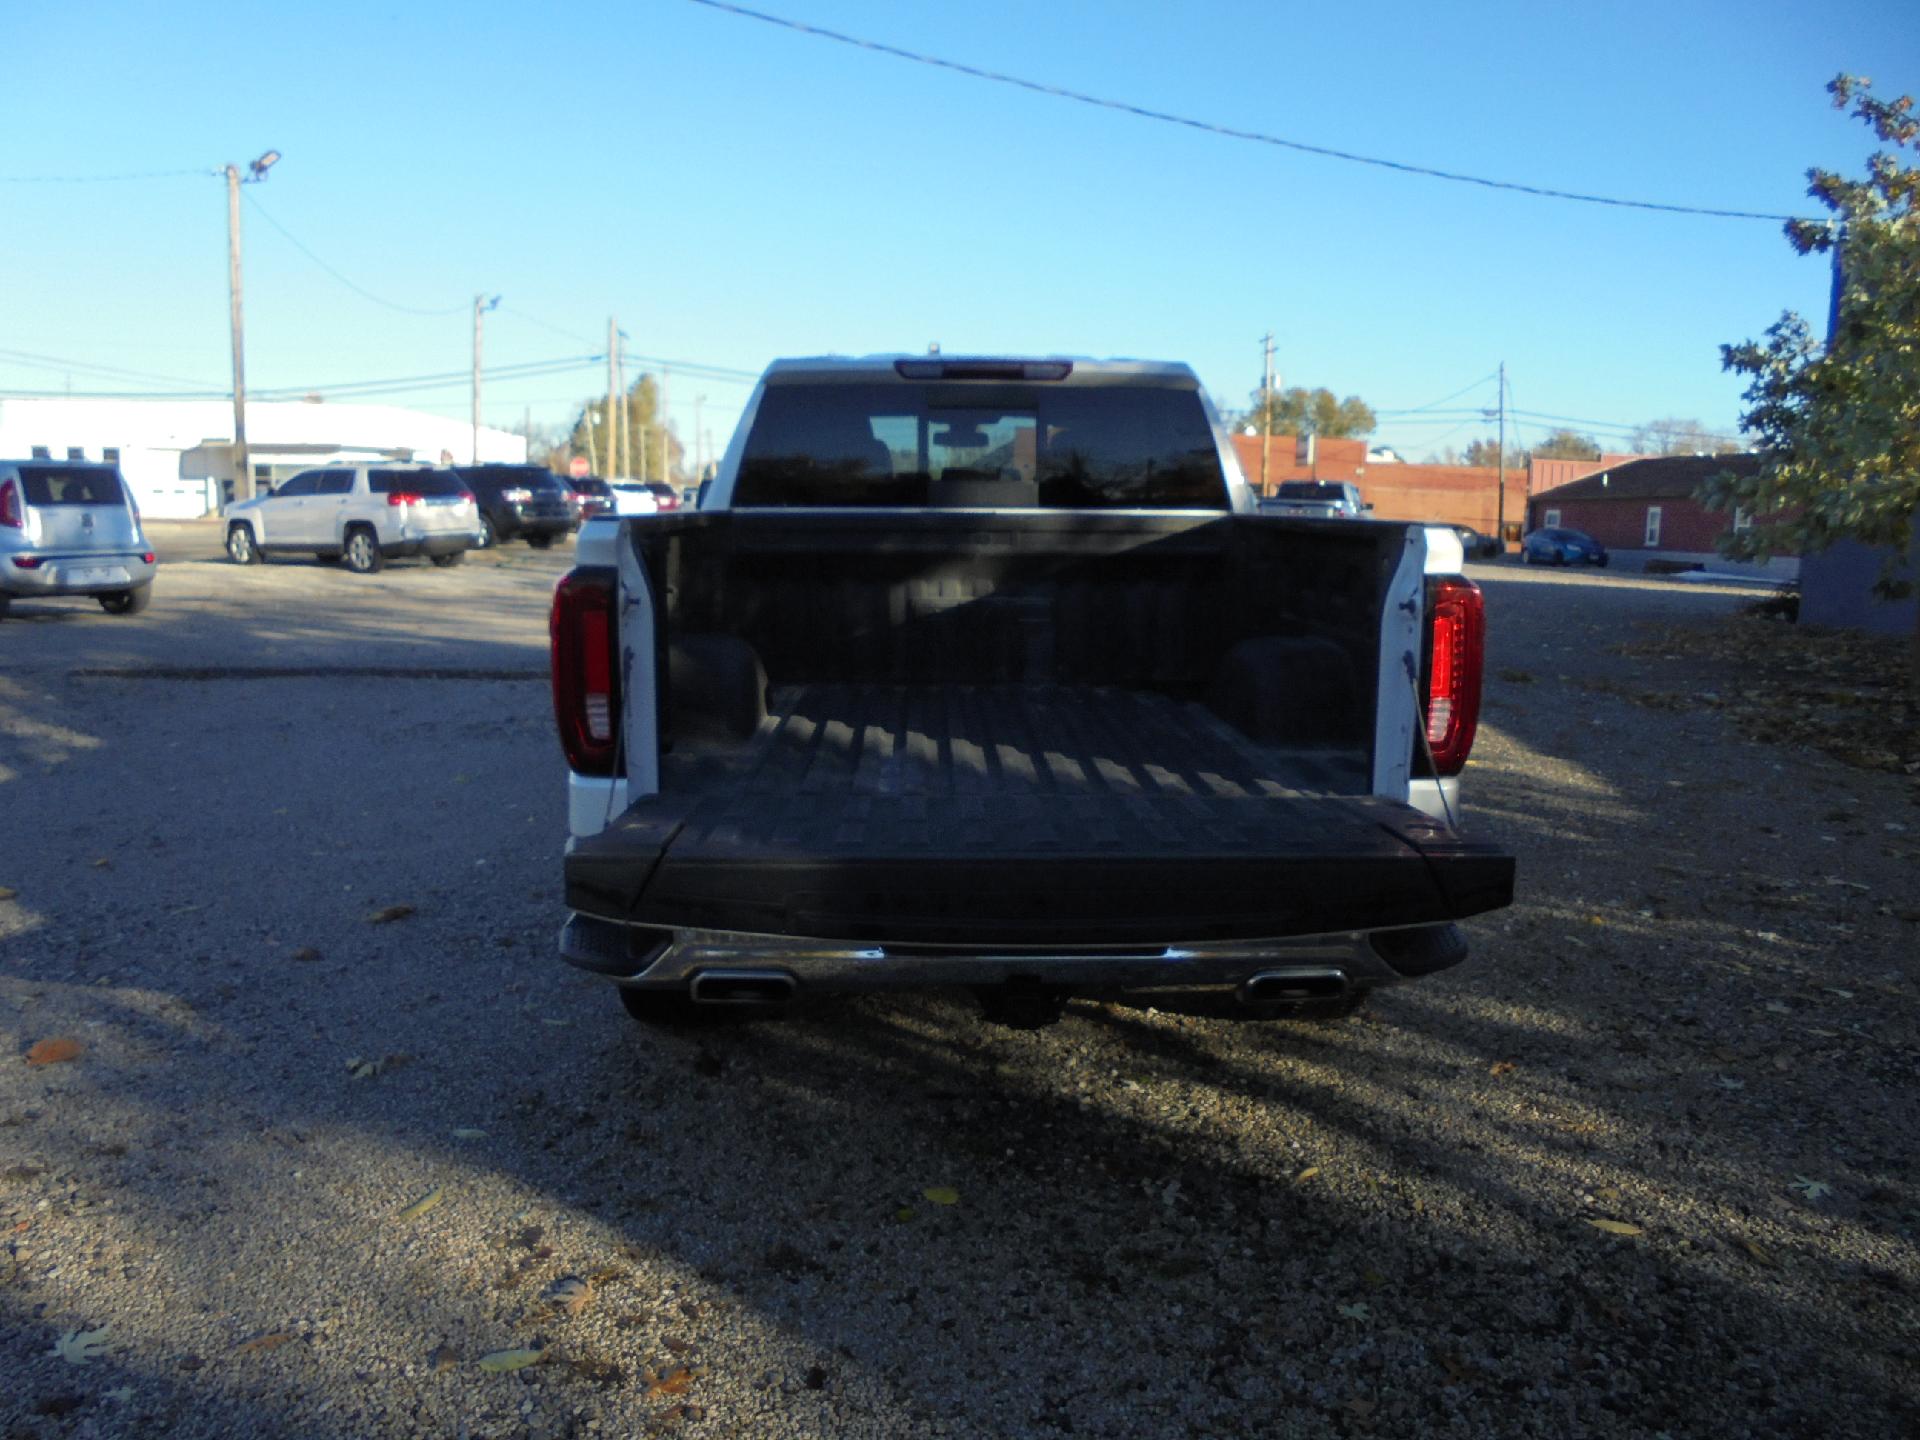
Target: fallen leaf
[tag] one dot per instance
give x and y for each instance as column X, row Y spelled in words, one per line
column 421, row 1206
column 77, row 1347
column 905, row 1213
column 7, row 892
column 1360, row 1409
column 1727, row 1082
column 1500, row 1067
column 1812, row 1189
column 1617, row 1227
column 306, row 952
column 1764, row 1257
column 568, row 1294
column 444, row 1358
column 271, row 1341
column 1356, row 1312
column 942, row 1195
column 120, row 1394
column 467, row 1132
column 677, row 1382
column 607, row 1275
column 677, row 1345
column 388, row 914
column 500, row 1361
column 53, row 1051
column 103, row 863
column 1306, row 1174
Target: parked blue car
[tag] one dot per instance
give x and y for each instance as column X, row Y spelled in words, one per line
column 1560, row 546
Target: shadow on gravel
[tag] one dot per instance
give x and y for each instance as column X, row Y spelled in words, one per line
column 1134, row 1224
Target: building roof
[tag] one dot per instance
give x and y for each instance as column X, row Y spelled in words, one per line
column 1663, row 477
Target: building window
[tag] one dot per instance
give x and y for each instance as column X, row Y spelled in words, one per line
column 75, row 452
column 1552, row 520
column 41, row 452
column 111, row 454
column 1742, row 518
column 1653, row 526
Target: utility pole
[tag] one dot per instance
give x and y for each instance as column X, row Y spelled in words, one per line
column 666, row 440
column 242, row 462
column 1500, row 524
column 613, row 362
column 242, row 465
column 481, row 304
column 1266, row 411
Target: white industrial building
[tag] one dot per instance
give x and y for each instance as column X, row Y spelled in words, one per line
column 177, row 454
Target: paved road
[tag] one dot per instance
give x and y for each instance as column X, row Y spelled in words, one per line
column 309, row 1169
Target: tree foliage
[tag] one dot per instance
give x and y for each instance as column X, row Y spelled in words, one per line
column 1567, row 445
column 1676, row 435
column 1486, row 452
column 1839, row 425
column 1300, row 411
column 590, row 434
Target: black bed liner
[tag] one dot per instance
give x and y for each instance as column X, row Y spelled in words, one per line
column 1017, row 815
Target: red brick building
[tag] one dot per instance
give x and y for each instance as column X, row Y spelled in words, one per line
column 1438, row 494
column 1551, row 474
column 1646, row 509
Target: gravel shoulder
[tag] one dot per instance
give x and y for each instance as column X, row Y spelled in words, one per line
column 310, row 1167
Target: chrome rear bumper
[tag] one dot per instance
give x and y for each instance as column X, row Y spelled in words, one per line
column 645, row 958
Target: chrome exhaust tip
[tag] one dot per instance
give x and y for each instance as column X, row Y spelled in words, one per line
column 1298, row 983
column 743, row 987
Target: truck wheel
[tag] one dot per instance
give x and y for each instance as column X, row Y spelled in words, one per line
column 362, row 554
column 128, row 602
column 241, row 548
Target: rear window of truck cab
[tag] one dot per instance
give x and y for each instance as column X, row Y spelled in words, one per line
column 965, row 444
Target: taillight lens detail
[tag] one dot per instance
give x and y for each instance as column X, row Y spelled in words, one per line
column 402, row 497
column 10, row 511
column 586, row 672
column 1456, row 630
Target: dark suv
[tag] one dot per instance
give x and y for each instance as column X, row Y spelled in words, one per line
column 526, row 502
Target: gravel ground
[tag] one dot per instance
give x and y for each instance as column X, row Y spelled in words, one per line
column 309, row 1168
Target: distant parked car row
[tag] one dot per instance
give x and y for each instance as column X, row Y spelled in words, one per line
column 1557, row 545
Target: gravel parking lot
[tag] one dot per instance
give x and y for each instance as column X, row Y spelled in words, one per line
column 281, row 857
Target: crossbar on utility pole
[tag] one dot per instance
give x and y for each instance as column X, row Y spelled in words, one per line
column 242, row 464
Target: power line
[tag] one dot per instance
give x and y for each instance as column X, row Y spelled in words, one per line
column 1061, row 92
column 359, row 290
column 1435, row 404
column 27, row 359
column 100, row 179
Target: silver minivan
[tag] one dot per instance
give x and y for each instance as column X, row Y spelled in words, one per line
column 70, row 527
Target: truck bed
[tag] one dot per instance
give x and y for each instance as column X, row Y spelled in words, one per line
column 1000, row 815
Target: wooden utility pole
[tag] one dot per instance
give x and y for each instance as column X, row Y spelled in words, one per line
column 1500, row 523
column 613, row 363
column 1266, row 411
column 480, row 307
column 242, row 465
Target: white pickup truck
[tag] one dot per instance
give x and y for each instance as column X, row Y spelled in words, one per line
column 988, row 672
column 1317, row 500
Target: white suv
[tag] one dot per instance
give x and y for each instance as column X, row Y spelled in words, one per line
column 363, row 515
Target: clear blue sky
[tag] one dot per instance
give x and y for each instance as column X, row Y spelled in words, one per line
column 735, row 192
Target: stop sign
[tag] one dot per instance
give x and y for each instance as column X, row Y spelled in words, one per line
column 577, row 467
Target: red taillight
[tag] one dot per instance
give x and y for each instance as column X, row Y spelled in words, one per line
column 402, row 497
column 10, row 506
column 1457, row 629
column 586, row 675
column 147, row 558
column 27, row 562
